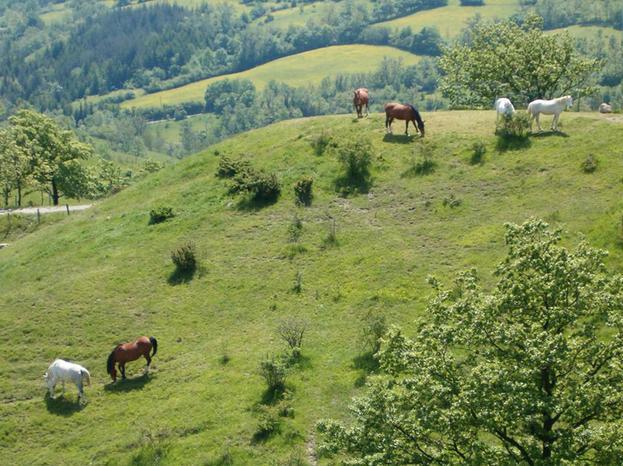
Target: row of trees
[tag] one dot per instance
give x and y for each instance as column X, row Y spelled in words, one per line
column 38, row 155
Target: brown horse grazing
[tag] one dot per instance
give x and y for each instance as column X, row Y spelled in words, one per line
column 359, row 100
column 130, row 352
column 403, row 112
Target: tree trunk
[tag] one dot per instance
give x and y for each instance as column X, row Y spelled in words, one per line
column 19, row 194
column 55, row 195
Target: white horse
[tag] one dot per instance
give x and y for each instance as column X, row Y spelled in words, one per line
column 504, row 107
column 549, row 107
column 63, row 371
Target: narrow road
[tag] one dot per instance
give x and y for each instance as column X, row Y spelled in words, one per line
column 46, row 210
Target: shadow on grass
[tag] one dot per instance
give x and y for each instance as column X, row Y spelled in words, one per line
column 399, row 138
column 179, row 277
column 272, row 396
column 549, row 134
column 62, row 406
column 348, row 185
column 251, row 204
column 368, row 364
column 128, row 385
column 506, row 143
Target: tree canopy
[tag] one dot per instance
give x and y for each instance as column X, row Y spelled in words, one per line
column 518, row 61
column 529, row 373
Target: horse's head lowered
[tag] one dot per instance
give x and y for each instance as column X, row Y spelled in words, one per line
column 568, row 101
column 110, row 366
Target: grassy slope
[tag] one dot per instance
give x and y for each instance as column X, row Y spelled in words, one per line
column 449, row 20
column 297, row 70
column 75, row 288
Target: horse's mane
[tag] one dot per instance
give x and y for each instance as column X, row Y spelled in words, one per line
column 418, row 118
column 563, row 98
column 110, row 364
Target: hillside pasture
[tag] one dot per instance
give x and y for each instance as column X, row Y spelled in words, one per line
column 449, row 20
column 296, row 70
column 76, row 288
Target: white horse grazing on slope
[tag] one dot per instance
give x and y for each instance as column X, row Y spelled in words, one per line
column 63, row 371
column 504, row 107
column 549, row 107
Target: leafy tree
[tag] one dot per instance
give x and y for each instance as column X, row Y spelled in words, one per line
column 529, row 373
column 514, row 60
column 53, row 154
column 15, row 169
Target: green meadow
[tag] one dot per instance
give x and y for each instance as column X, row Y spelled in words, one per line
column 74, row 288
column 296, row 70
column 451, row 19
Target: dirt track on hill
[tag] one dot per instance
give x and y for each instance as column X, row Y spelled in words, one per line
column 46, row 210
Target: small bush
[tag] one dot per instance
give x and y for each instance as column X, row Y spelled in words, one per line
column 262, row 187
column 424, row 166
column 274, row 372
column 268, row 423
column 184, row 258
column 356, row 160
column 478, row 152
column 513, row 131
column 160, row 214
column 298, row 283
column 321, row 142
column 228, row 168
column 291, row 331
column 589, row 165
column 303, row 191
column 295, row 229
column 331, row 238
column 374, row 328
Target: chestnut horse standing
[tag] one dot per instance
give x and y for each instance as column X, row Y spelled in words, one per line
column 403, row 112
column 130, row 352
column 360, row 99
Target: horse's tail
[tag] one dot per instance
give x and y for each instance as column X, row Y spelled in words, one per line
column 86, row 375
column 154, row 345
column 110, row 365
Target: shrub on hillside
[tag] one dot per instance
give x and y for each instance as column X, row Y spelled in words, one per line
column 478, row 152
column 274, row 372
column 160, row 214
column 291, row 330
column 303, row 191
column 356, row 161
column 374, row 328
column 228, row 168
column 185, row 258
column 268, row 423
column 513, row 131
column 589, row 165
column 295, row 229
column 262, row 187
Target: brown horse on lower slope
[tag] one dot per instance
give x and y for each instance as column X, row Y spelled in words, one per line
column 403, row 112
column 130, row 352
column 360, row 99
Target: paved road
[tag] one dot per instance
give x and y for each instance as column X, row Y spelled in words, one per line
column 46, row 210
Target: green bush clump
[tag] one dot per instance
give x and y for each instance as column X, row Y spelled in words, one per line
column 356, row 161
column 478, row 152
column 451, row 201
column 274, row 372
column 160, row 214
column 321, row 142
column 185, row 257
column 262, row 187
column 303, row 191
column 513, row 131
column 589, row 165
column 268, row 423
column 228, row 168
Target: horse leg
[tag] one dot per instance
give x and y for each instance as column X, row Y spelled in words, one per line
column 122, row 369
column 148, row 358
column 367, row 109
column 407, row 128
column 63, row 388
column 555, row 122
column 538, row 122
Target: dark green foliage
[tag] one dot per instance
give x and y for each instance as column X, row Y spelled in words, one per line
column 374, row 327
column 297, row 287
column 274, row 372
column 356, row 161
column 185, row 258
column 160, row 214
column 589, row 165
column 513, row 131
column 295, row 229
column 303, row 191
column 261, row 187
column 478, row 152
column 472, row 2
column 228, row 168
column 268, row 423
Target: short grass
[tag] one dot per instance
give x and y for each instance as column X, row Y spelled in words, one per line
column 297, row 70
column 449, row 20
column 75, row 288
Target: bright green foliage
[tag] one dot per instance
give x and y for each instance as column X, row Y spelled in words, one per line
column 303, row 191
column 356, row 161
column 529, row 373
column 515, row 61
column 15, row 168
column 53, row 153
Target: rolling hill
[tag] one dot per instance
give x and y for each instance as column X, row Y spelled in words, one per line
column 296, row 70
column 105, row 276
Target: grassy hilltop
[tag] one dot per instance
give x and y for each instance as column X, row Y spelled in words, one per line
column 76, row 288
